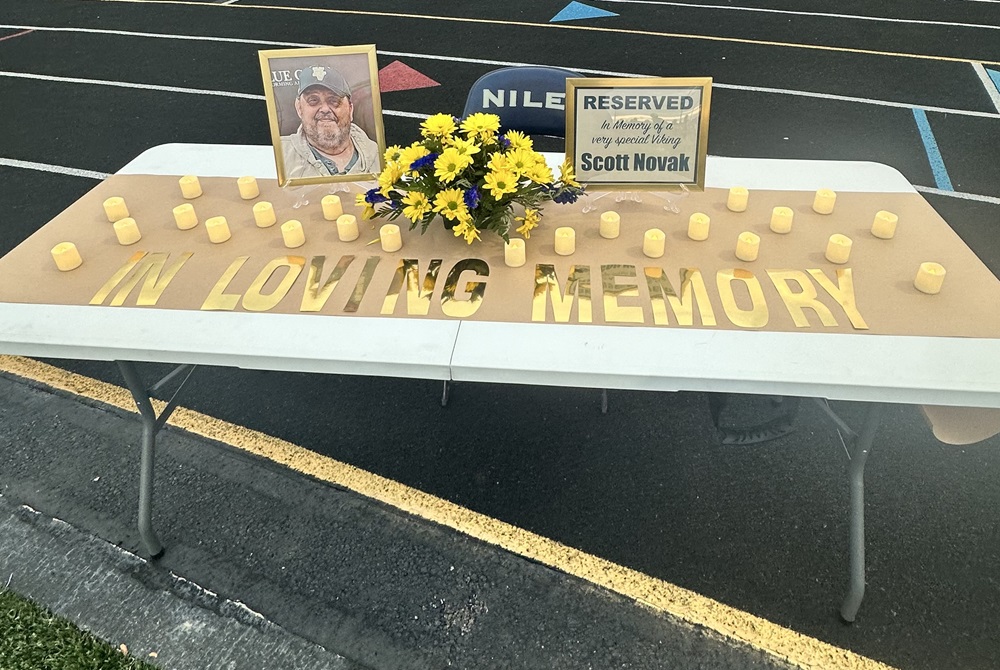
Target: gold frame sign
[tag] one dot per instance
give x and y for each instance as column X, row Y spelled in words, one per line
column 638, row 133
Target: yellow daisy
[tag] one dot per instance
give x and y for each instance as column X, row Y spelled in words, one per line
column 567, row 175
column 465, row 147
column 501, row 182
column 520, row 161
column 439, row 125
column 540, row 173
column 451, row 205
column 530, row 219
column 412, row 153
column 389, row 176
column 483, row 126
column 498, row 162
column 518, row 140
column 417, row 206
column 392, row 153
column 449, row 164
column 360, row 201
column 465, row 228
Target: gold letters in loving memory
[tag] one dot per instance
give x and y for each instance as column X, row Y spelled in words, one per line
column 566, row 295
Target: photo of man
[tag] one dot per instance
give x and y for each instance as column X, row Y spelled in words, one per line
column 327, row 142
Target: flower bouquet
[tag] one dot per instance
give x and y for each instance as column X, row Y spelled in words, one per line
column 472, row 176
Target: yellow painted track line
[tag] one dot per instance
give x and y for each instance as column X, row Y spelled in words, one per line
column 561, row 26
column 800, row 650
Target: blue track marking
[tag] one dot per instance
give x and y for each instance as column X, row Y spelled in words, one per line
column 577, row 10
column 933, row 153
column 995, row 76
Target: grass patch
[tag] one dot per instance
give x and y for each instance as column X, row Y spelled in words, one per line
column 32, row 638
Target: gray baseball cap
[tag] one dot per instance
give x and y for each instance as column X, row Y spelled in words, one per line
column 327, row 77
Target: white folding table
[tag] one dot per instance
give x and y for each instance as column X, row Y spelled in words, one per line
column 871, row 368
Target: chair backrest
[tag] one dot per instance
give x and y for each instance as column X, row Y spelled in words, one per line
column 530, row 99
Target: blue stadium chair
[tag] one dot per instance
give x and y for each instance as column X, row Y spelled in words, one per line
column 531, row 99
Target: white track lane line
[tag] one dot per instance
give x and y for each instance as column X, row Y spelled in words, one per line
column 853, row 17
column 57, row 169
column 502, row 63
column 991, row 88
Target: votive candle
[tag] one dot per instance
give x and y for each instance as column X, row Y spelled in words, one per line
column 263, row 214
column 190, row 186
column 332, row 207
column 824, row 201
column 698, row 226
column 565, row 241
column 654, row 243
column 218, row 229
column 293, row 234
column 838, row 248
column 347, row 227
column 930, row 277
column 115, row 208
column 513, row 253
column 884, row 225
column 781, row 219
column 248, row 187
column 610, row 225
column 390, row 237
column 747, row 246
column 127, row 231
column 739, row 198
column 185, row 216
column 66, row 256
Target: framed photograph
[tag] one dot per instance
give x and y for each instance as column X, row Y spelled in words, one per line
column 325, row 113
column 638, row 133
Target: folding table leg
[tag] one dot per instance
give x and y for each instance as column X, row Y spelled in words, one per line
column 857, row 447
column 151, row 425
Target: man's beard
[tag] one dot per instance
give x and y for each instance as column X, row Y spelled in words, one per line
column 327, row 137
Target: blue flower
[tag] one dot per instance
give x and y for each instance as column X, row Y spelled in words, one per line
column 504, row 142
column 566, row 197
column 472, row 197
column 373, row 197
column 423, row 162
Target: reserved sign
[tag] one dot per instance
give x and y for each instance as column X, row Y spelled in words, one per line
column 638, row 133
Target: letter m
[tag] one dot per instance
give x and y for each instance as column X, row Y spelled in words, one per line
column 547, row 290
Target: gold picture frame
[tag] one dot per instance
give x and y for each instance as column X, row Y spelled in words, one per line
column 325, row 113
column 629, row 134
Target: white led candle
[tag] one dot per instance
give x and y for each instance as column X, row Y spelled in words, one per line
column 332, row 207
column 190, row 186
column 738, row 199
column 824, row 201
column 292, row 233
column 185, row 216
column 930, row 277
column 347, row 227
column 390, row 238
column 263, row 214
column 218, row 229
column 248, row 187
column 66, row 256
column 654, row 243
column 698, row 226
column 838, row 248
column 884, row 225
column 747, row 246
column 565, row 241
column 781, row 219
column 127, row 231
column 115, row 208
column 513, row 253
column 610, row 225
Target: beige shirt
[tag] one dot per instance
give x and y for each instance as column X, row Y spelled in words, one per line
column 301, row 163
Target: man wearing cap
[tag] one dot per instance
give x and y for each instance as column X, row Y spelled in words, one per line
column 328, row 142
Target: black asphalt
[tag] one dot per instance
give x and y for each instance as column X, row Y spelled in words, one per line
column 761, row 528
